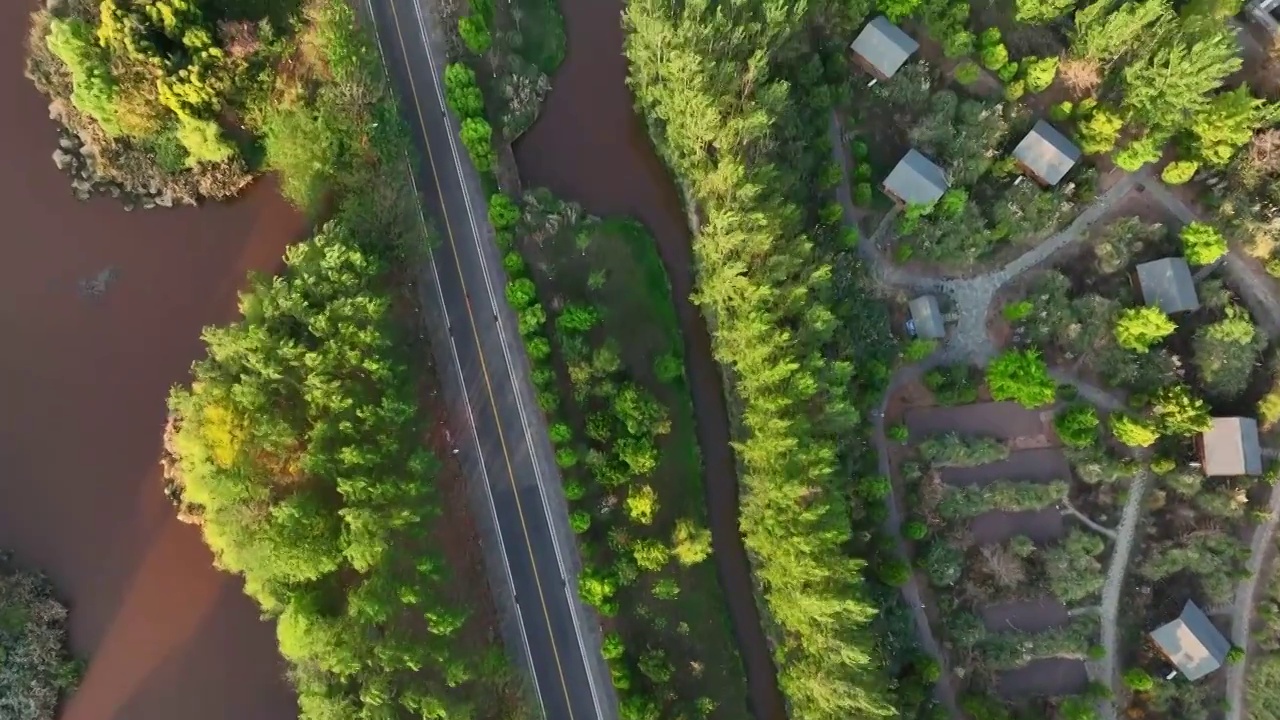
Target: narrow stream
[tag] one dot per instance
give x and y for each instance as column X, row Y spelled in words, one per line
column 591, row 147
column 83, row 381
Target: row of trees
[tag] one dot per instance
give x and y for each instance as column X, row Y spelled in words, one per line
column 299, row 438
column 706, row 75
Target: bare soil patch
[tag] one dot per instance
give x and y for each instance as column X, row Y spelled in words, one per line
column 1044, row 678
column 1028, row 616
column 1023, row 428
column 1041, row 526
column 1040, row 465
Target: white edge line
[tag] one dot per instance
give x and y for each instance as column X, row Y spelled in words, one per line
column 462, row 383
column 506, row 354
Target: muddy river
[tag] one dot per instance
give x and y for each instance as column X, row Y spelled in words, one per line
column 590, row 146
column 83, row 380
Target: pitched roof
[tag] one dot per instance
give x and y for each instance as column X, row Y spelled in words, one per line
column 1192, row 643
column 916, row 180
column 1230, row 447
column 1167, row 284
column 927, row 317
column 1047, row 153
column 884, row 45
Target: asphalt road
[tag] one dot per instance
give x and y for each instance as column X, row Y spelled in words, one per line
column 507, row 438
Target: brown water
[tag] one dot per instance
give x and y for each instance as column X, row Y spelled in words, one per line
column 83, row 382
column 590, row 146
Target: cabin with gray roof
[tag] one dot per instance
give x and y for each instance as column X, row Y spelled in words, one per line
column 1192, row 643
column 915, row 180
column 1045, row 154
column 882, row 47
column 1167, row 284
column 926, row 317
column 1230, row 447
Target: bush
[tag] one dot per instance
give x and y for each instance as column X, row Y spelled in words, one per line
column 1077, row 426
column 1014, row 91
column 503, row 212
column 918, row 349
column 898, row 433
column 1008, row 71
column 862, row 194
column 477, row 138
column 1138, row 680
column 955, row 450
column 874, row 487
column 994, row 57
column 958, row 44
column 641, row 504
column 1163, row 465
column 1226, row 352
column 1178, row 412
column 1040, row 73
column 1179, row 172
column 1132, row 431
column 894, row 572
column 93, row 89
column 967, row 72
column 1269, row 408
column 1235, row 656
column 690, row 543
column 1139, row 328
column 1099, row 131
column 915, row 529
column 1021, row 376
column 580, row 521
column 1202, row 243
column 461, row 91
column 1061, row 112
column 1015, row 311
column 474, row 34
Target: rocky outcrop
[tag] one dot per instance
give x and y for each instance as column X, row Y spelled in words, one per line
column 78, row 161
column 171, row 471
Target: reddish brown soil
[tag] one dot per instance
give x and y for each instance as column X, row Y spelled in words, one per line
column 997, row 526
column 1028, row 616
column 1023, row 428
column 1043, row 678
column 84, row 385
column 1032, row 465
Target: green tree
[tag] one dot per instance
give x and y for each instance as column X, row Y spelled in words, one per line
column 1138, row 680
column 1104, row 30
column 1099, row 131
column 477, row 138
column 1179, row 172
column 1226, row 352
column 1173, row 83
column 1021, row 376
column 1077, row 426
column 302, row 145
column 898, row 10
column 461, row 91
column 1140, row 151
column 642, row 504
column 1202, row 243
column 1038, row 12
column 93, row 88
column 1178, row 412
column 1040, row 72
column 1139, row 328
column 690, row 543
column 1132, row 431
column 1227, row 123
column 650, row 554
column 894, row 572
column 474, row 33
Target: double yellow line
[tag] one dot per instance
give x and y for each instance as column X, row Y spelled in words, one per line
column 484, row 368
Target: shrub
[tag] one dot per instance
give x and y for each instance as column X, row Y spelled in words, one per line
column 93, row 89
column 1202, row 243
column 611, row 647
column 1163, row 465
column 1015, row 311
column 1014, row 91
column 1179, row 171
column 477, row 138
column 1235, row 656
column 1008, row 71
column 574, row 490
column 1138, row 680
column 1040, row 73
column 1269, row 408
column 994, row 57
column 898, row 433
column 874, row 487
column 474, row 34
column 958, row 44
column 955, row 450
column 566, row 457
column 580, row 521
column 1143, row 150
column 1132, row 431
column 929, row 670
column 203, row 141
column 1077, row 426
column 461, row 91
column 894, row 572
column 1099, row 131
column 503, row 212
column 1139, row 328
column 650, row 554
column 641, row 504
column 918, row 349
column 1178, row 412
column 690, row 543
column 1225, row 353
column 1021, row 376
column 1061, row 112
column 967, row 72
column 915, row 529
column 862, row 194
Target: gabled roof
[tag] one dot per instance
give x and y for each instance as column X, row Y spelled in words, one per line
column 1047, row 153
column 884, row 46
column 1230, row 447
column 916, row 180
column 927, row 317
column 1192, row 643
column 1167, row 284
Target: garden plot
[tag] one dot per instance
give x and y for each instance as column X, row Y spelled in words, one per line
column 1021, row 427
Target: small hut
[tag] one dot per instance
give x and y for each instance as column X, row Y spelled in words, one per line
column 915, row 180
column 1192, row 643
column 1167, row 284
column 1045, row 154
column 882, row 47
column 1230, row 447
column 926, row 317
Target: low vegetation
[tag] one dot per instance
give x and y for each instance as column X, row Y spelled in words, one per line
column 37, row 670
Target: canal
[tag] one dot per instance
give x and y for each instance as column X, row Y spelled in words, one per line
column 83, row 382
column 589, row 146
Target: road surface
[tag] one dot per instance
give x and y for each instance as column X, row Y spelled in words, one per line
column 505, row 447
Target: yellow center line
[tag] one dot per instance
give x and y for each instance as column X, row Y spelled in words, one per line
column 484, row 368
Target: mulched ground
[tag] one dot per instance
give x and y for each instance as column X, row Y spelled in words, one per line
column 1042, row 526
column 1025, row 615
column 1041, row 465
column 1044, row 678
column 1024, row 429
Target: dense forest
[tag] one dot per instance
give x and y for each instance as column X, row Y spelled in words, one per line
column 733, row 92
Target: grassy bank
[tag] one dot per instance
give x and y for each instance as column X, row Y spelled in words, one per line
column 301, row 443
column 804, row 359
